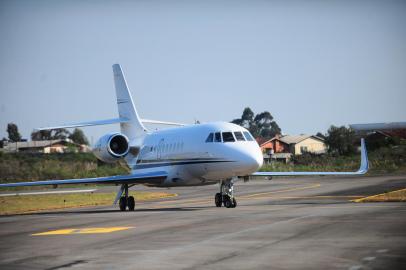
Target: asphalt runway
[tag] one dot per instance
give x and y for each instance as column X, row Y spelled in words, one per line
column 296, row 223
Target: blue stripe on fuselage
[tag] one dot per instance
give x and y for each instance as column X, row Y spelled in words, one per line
column 172, row 163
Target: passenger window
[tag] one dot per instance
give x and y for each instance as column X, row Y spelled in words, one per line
column 238, row 135
column 228, row 137
column 248, row 136
column 210, row 138
column 217, row 137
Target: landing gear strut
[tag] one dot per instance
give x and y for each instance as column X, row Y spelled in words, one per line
column 226, row 195
column 126, row 201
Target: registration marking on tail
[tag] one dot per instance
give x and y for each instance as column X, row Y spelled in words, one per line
column 83, row 231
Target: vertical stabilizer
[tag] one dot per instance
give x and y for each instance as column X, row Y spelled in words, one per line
column 126, row 109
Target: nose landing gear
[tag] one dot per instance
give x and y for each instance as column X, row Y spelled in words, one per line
column 226, row 195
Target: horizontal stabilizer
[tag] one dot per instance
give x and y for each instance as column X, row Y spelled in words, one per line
column 108, row 122
column 137, row 178
column 362, row 169
column 86, row 124
column 147, row 121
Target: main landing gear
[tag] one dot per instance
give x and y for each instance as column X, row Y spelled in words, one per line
column 226, row 195
column 126, row 201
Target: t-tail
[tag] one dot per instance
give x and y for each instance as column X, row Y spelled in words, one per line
column 130, row 123
column 132, row 126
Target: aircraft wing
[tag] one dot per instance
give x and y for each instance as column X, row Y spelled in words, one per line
column 362, row 169
column 136, row 178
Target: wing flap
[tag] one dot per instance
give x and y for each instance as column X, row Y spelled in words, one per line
column 137, row 178
column 362, row 169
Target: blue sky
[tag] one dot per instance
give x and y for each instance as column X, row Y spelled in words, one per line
column 310, row 63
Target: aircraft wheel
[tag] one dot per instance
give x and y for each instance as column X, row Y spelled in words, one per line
column 131, row 203
column 123, row 203
column 234, row 203
column 227, row 202
column 218, row 200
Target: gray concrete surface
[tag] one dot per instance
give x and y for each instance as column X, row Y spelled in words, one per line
column 285, row 223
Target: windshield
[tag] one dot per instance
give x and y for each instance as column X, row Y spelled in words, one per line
column 228, row 137
column 248, row 136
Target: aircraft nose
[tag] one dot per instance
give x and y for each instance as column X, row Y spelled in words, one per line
column 253, row 161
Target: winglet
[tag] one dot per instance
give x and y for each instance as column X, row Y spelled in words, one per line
column 363, row 168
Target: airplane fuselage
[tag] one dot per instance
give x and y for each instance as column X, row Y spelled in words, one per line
column 198, row 154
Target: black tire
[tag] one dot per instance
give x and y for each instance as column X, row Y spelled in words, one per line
column 234, row 203
column 224, row 198
column 131, row 203
column 228, row 203
column 218, row 200
column 123, row 203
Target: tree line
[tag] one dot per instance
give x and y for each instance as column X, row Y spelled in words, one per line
column 339, row 140
column 77, row 136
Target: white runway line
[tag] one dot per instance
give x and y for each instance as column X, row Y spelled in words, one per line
column 48, row 192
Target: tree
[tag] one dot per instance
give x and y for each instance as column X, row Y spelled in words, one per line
column 246, row 119
column 261, row 125
column 13, row 134
column 56, row 134
column 79, row 137
column 41, row 135
column 321, row 135
column 340, row 140
column 61, row 134
column 265, row 125
column 2, row 142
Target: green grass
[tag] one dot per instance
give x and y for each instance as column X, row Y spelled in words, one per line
column 34, row 203
column 17, row 167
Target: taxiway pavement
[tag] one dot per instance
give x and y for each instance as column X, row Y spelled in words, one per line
column 285, row 223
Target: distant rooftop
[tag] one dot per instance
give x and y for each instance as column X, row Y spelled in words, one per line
column 293, row 139
column 13, row 146
column 378, row 126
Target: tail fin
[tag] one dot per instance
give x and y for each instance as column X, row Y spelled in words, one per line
column 126, row 109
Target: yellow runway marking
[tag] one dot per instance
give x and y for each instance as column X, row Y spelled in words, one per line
column 181, row 201
column 280, row 191
column 363, row 199
column 83, row 231
column 318, row 197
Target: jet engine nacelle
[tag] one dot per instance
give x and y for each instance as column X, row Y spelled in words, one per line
column 111, row 147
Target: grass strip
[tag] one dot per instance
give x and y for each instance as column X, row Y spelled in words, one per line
column 34, row 203
column 393, row 196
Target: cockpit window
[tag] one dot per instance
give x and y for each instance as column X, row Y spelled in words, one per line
column 217, row 137
column 248, row 136
column 228, row 137
column 238, row 135
column 210, row 138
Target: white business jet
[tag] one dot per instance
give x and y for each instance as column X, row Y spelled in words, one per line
column 185, row 155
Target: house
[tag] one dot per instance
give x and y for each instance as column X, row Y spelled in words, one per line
column 274, row 145
column 299, row 144
column 275, row 149
column 46, row 146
